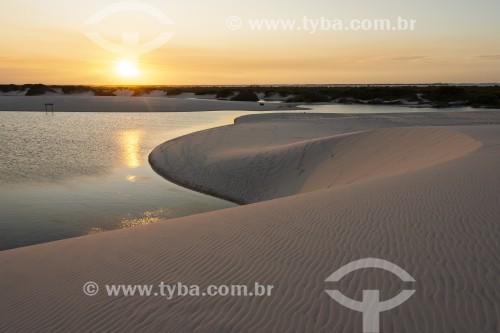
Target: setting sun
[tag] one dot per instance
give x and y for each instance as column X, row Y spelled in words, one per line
column 126, row 68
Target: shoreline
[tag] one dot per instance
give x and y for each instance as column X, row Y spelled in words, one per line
column 157, row 161
column 167, row 177
column 152, row 104
column 324, row 190
column 131, row 104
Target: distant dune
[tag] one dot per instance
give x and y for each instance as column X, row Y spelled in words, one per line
column 433, row 95
column 418, row 190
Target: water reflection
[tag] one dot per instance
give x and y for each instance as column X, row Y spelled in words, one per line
column 132, row 220
column 131, row 178
column 78, row 173
column 95, row 230
column 145, row 218
column 130, row 142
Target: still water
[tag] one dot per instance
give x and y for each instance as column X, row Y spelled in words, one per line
column 70, row 174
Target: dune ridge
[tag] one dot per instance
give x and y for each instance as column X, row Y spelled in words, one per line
column 228, row 170
column 438, row 221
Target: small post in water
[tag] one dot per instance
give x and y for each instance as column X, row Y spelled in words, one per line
column 47, row 106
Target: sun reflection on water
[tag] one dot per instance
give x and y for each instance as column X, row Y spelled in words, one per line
column 130, row 141
column 95, row 230
column 133, row 220
column 146, row 218
column 131, row 178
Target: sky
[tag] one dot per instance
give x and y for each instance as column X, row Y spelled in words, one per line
column 113, row 42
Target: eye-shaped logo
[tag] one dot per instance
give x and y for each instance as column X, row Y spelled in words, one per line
column 130, row 46
column 371, row 306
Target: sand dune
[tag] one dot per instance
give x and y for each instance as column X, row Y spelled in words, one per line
column 425, row 199
column 229, row 168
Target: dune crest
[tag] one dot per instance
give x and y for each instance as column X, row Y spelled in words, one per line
column 245, row 172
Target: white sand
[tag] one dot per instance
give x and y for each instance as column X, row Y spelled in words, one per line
column 124, row 103
column 424, row 198
column 299, row 156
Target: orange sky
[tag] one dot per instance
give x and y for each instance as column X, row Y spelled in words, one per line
column 454, row 41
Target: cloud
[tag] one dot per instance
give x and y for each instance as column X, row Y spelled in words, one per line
column 487, row 57
column 407, row 58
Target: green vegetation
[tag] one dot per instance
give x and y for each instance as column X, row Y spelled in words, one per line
column 68, row 90
column 224, row 93
column 104, row 91
column 310, row 97
column 246, row 96
column 205, row 92
column 174, row 91
column 6, row 88
column 38, row 89
column 438, row 95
